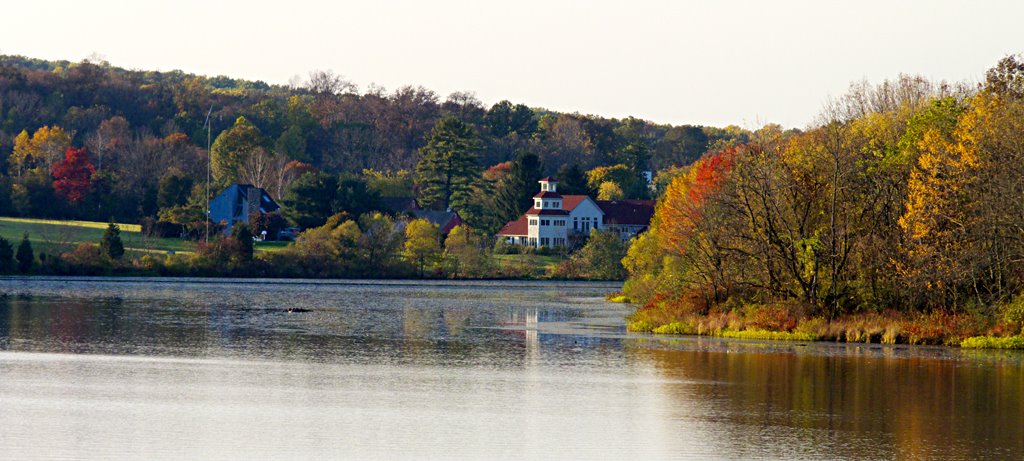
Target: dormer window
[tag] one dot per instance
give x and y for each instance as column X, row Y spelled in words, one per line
column 536, row 204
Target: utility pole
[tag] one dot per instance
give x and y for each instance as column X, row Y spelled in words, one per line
column 209, row 160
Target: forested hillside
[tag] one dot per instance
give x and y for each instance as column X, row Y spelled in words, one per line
column 140, row 142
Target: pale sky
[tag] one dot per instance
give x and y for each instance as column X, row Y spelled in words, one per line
column 701, row 62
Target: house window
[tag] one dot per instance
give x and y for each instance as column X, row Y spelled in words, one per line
column 533, row 241
column 536, row 203
column 544, row 241
column 558, row 204
column 575, row 223
column 559, row 242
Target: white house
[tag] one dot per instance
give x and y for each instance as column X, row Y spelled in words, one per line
column 554, row 218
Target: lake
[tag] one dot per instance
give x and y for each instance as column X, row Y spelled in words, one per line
column 220, row 369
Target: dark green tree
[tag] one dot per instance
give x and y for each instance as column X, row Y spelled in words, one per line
column 308, row 201
column 448, row 165
column 516, row 189
column 354, row 197
column 6, row 256
column 243, row 236
column 111, row 244
column 504, row 118
column 572, row 180
column 174, row 190
column 25, row 255
column 681, row 145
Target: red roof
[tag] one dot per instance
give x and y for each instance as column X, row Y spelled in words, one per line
column 635, row 212
column 547, row 212
column 547, row 194
column 517, row 227
column 548, row 179
column 570, row 202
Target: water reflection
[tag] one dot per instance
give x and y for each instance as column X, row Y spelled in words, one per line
column 517, row 370
column 852, row 405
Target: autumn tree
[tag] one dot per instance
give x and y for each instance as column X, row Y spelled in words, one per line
column 464, row 254
column 71, row 176
column 422, row 248
column 233, row 148
column 624, row 178
column 45, row 147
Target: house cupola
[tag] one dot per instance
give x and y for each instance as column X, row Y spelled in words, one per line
column 548, row 198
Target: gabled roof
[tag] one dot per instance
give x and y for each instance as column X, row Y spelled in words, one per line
column 548, row 179
column 238, row 193
column 630, row 212
column 546, row 212
column 570, row 202
column 517, row 227
column 547, row 194
column 445, row 220
column 398, row 204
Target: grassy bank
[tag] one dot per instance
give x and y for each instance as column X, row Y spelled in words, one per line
column 791, row 323
column 56, row 237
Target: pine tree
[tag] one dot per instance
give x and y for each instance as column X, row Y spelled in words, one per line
column 25, row 255
column 448, row 165
column 515, row 191
column 111, row 244
column 572, row 181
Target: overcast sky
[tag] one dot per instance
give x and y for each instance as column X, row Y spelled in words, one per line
column 710, row 62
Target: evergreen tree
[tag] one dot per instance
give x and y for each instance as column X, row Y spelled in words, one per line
column 448, row 165
column 572, row 180
column 6, row 256
column 515, row 191
column 309, row 201
column 354, row 197
column 174, row 189
column 241, row 233
column 25, row 255
column 111, row 244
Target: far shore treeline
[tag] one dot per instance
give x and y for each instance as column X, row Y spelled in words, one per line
column 89, row 141
column 897, row 217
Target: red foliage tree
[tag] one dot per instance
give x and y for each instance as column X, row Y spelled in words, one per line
column 71, row 176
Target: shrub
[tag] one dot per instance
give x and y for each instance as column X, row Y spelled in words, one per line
column 25, row 256
column 993, row 342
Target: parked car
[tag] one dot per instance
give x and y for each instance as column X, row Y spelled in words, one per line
column 288, row 234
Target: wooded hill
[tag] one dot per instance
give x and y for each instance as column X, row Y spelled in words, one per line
column 140, row 127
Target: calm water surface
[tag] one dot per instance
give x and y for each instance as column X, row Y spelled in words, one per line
column 201, row 369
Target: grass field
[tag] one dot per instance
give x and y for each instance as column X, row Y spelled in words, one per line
column 535, row 264
column 55, row 237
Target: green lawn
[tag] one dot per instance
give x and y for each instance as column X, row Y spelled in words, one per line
column 55, row 237
column 533, row 263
